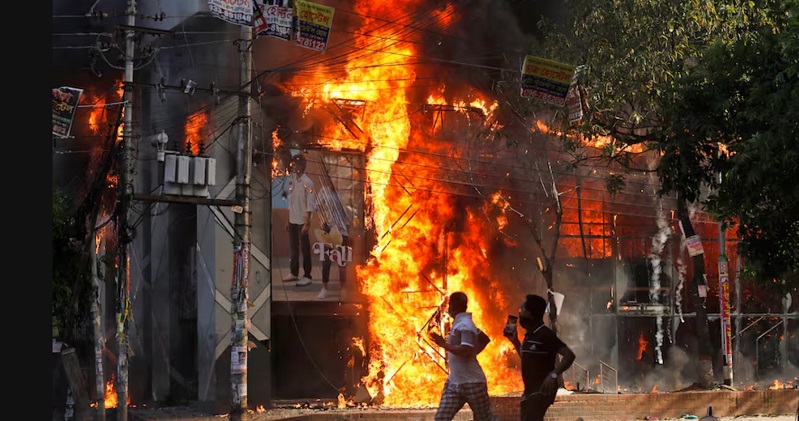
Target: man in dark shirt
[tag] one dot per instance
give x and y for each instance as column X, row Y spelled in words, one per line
column 538, row 352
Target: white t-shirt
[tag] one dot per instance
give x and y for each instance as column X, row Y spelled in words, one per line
column 464, row 369
column 301, row 198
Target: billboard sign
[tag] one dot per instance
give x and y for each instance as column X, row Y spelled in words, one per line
column 65, row 103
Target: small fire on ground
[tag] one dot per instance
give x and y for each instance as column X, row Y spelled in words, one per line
column 111, row 399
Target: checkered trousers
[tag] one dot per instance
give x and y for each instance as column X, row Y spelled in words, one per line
column 455, row 395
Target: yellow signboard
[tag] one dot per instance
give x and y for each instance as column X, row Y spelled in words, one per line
column 313, row 24
column 546, row 80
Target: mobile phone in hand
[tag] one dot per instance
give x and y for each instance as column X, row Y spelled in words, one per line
column 510, row 326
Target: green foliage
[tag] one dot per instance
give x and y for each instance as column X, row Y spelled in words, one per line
column 681, row 78
column 71, row 279
column 745, row 94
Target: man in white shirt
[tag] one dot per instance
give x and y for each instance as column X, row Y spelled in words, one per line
column 301, row 206
column 466, row 381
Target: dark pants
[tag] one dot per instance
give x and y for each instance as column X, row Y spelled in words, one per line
column 534, row 407
column 298, row 240
column 342, row 271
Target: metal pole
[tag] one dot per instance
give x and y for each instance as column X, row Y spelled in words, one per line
column 241, row 240
column 125, row 190
column 784, row 342
column 724, row 307
column 737, row 342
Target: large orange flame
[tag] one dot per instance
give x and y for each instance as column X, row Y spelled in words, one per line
column 111, row 399
column 416, row 261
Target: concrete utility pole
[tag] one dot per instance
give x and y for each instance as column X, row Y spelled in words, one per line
column 125, row 191
column 241, row 239
column 724, row 304
column 724, row 307
column 99, row 337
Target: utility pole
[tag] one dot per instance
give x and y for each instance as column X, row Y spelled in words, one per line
column 724, row 304
column 125, row 192
column 241, row 239
column 99, row 337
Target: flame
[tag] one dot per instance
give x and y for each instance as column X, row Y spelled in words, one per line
column 405, row 280
column 98, row 116
column 568, row 385
column 417, row 259
column 111, row 394
column 595, row 228
column 597, row 141
column 260, row 408
column 98, row 238
column 121, row 93
column 777, row 385
column 444, row 17
column 642, row 343
column 654, row 389
column 502, row 221
column 195, row 125
column 277, row 171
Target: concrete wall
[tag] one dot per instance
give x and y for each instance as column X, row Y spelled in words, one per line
column 184, row 252
column 662, row 405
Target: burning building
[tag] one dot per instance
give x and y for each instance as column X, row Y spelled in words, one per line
column 441, row 185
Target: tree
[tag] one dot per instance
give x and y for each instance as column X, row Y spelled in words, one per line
column 71, row 280
column 744, row 95
column 632, row 53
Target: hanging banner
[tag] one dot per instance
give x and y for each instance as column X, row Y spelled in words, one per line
column 574, row 104
column 237, row 12
column 278, row 22
column 546, row 80
column 65, row 103
column 312, row 24
column 258, row 19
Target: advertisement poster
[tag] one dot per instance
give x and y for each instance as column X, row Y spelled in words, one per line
column 546, row 80
column 336, row 232
column 237, row 12
column 313, row 23
column 238, row 359
column 278, row 22
column 694, row 245
column 65, row 103
column 724, row 298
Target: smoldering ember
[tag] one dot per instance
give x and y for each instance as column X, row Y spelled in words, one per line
column 484, row 146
